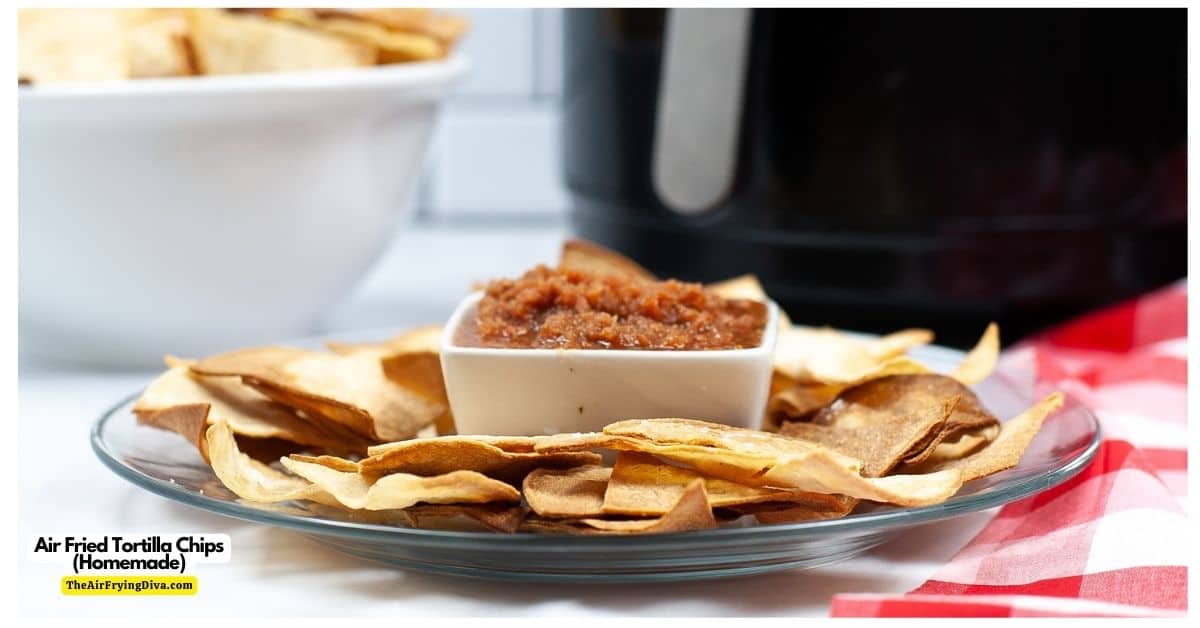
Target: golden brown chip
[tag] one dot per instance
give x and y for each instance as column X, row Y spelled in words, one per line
column 757, row 458
column 445, row 28
column 158, row 43
column 880, row 421
column 969, row 416
column 268, row 450
column 574, row 493
column 513, row 444
column 71, row 45
column 421, row 373
column 499, row 518
column 746, row 287
column 960, row 447
column 825, row 356
column 792, row 512
column 643, row 486
column 392, row 46
column 435, row 456
column 692, row 511
column 244, row 43
column 423, row 338
column 981, row 360
column 401, row 490
column 250, row 479
column 1006, row 450
column 189, row 420
column 174, row 399
column 347, row 389
column 331, row 462
column 898, row 342
column 587, row 257
column 799, row 402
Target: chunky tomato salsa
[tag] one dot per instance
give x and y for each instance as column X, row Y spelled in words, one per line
column 568, row 309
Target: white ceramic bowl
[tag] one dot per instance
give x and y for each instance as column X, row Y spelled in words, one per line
column 551, row 391
column 193, row 215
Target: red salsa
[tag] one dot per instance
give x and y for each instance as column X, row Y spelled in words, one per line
column 568, row 309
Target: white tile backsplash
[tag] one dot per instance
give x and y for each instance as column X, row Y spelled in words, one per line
column 495, row 152
column 501, row 46
column 497, row 159
column 549, row 53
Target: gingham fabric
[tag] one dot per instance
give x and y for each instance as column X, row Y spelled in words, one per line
column 1113, row 540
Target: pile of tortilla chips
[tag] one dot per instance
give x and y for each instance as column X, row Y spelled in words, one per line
column 77, row 45
column 367, row 428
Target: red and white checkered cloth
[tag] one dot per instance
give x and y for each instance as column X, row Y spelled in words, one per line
column 1113, row 540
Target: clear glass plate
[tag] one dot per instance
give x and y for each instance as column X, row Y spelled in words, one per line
column 165, row 464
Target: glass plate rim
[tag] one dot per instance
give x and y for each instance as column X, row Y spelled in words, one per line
column 540, row 542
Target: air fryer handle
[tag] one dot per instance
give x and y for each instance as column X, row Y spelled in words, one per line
column 699, row 107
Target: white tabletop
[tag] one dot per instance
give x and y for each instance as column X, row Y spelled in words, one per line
column 65, row 490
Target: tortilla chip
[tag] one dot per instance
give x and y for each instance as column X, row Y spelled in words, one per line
column 898, row 342
column 512, row 444
column 250, row 479
column 245, row 43
column 347, row 389
column 401, row 490
column 447, row 29
column 1008, row 447
column 158, row 43
column 423, row 338
column 498, row 518
column 643, row 486
column 960, row 447
column 880, row 421
column 969, row 415
column 421, row 373
column 329, row 462
column 691, row 511
column 188, row 420
column 982, row 359
column 412, row 360
column 799, row 402
column 757, row 458
column 392, row 46
column 435, row 456
column 825, row 356
column 176, row 397
column 587, row 257
column 746, row 287
column 71, row 45
column 576, row 492
column 834, row 507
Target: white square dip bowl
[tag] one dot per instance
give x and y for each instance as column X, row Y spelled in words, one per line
column 549, row 391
